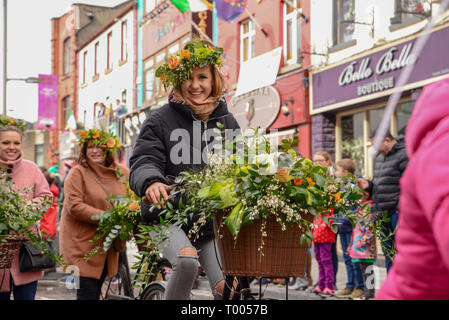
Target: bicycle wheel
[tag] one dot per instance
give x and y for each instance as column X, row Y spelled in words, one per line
column 119, row 286
column 154, row 291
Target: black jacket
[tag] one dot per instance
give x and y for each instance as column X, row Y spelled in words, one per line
column 162, row 151
column 388, row 171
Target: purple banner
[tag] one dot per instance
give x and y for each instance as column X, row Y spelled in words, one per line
column 229, row 10
column 47, row 118
column 371, row 75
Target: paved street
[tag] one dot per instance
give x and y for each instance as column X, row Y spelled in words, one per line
column 51, row 287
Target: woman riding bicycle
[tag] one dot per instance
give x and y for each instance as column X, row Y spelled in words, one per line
column 195, row 104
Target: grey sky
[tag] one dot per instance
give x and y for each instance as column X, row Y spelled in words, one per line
column 29, row 48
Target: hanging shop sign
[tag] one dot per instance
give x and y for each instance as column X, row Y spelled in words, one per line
column 376, row 75
column 256, row 109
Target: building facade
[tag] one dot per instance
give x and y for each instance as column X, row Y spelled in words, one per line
column 273, row 27
column 107, row 70
column 69, row 32
column 366, row 48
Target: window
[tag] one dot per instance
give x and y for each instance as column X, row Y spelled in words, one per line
column 66, row 105
column 97, row 47
column 355, row 127
column 352, row 142
column 39, row 154
column 292, row 32
column 343, row 29
column 124, row 42
column 403, row 114
column 153, row 87
column 67, row 47
column 406, row 11
column 247, row 36
column 108, row 52
column 84, row 66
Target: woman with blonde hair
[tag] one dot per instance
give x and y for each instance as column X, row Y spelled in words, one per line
column 25, row 175
column 194, row 108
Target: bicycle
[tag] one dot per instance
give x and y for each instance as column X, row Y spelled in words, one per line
column 121, row 287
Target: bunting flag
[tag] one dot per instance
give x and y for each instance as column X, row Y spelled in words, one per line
column 229, row 10
column 191, row 5
column 71, row 122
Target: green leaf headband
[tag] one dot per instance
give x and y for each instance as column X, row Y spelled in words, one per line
column 178, row 67
column 103, row 139
column 7, row 122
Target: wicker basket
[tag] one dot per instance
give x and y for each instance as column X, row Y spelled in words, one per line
column 8, row 250
column 282, row 257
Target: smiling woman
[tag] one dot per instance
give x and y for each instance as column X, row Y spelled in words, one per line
column 25, row 175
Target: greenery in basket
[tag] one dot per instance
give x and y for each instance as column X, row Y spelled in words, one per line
column 253, row 181
column 20, row 216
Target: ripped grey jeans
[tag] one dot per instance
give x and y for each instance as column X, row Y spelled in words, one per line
column 185, row 268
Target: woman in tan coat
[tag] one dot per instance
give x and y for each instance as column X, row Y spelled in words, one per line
column 86, row 188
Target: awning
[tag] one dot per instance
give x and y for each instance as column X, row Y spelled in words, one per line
column 259, row 72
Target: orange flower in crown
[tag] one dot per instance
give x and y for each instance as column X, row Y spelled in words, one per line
column 111, row 143
column 184, row 54
column 172, row 61
column 101, row 138
column 6, row 121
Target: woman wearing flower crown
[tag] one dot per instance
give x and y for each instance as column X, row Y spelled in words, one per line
column 170, row 141
column 24, row 174
column 86, row 188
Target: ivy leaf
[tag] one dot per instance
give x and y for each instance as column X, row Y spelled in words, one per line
column 234, row 219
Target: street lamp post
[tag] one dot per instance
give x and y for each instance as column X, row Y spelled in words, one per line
column 5, row 42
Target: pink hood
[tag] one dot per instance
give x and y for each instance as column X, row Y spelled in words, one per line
column 421, row 266
column 431, row 108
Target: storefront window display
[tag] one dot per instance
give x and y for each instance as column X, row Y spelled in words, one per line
column 355, row 127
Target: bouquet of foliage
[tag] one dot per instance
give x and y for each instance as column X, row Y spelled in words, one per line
column 117, row 223
column 18, row 215
column 253, row 181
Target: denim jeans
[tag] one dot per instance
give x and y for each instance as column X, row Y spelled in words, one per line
column 388, row 244
column 353, row 271
column 23, row 292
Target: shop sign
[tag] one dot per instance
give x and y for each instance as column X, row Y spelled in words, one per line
column 164, row 30
column 256, row 109
column 376, row 75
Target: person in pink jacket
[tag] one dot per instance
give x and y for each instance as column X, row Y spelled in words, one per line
column 25, row 174
column 421, row 266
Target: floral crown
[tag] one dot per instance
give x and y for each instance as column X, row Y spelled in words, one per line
column 178, row 67
column 11, row 122
column 103, row 139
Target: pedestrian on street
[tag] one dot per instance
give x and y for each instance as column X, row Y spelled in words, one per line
column 421, row 267
column 323, row 238
column 354, row 286
column 362, row 248
column 24, row 174
column 324, row 159
column 389, row 167
column 49, row 223
column 87, row 186
column 196, row 101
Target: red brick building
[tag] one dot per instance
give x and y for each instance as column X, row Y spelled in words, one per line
column 284, row 106
column 69, row 32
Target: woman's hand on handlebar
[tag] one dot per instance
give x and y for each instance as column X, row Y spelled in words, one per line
column 155, row 190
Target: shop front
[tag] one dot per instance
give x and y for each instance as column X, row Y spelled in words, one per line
column 348, row 99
